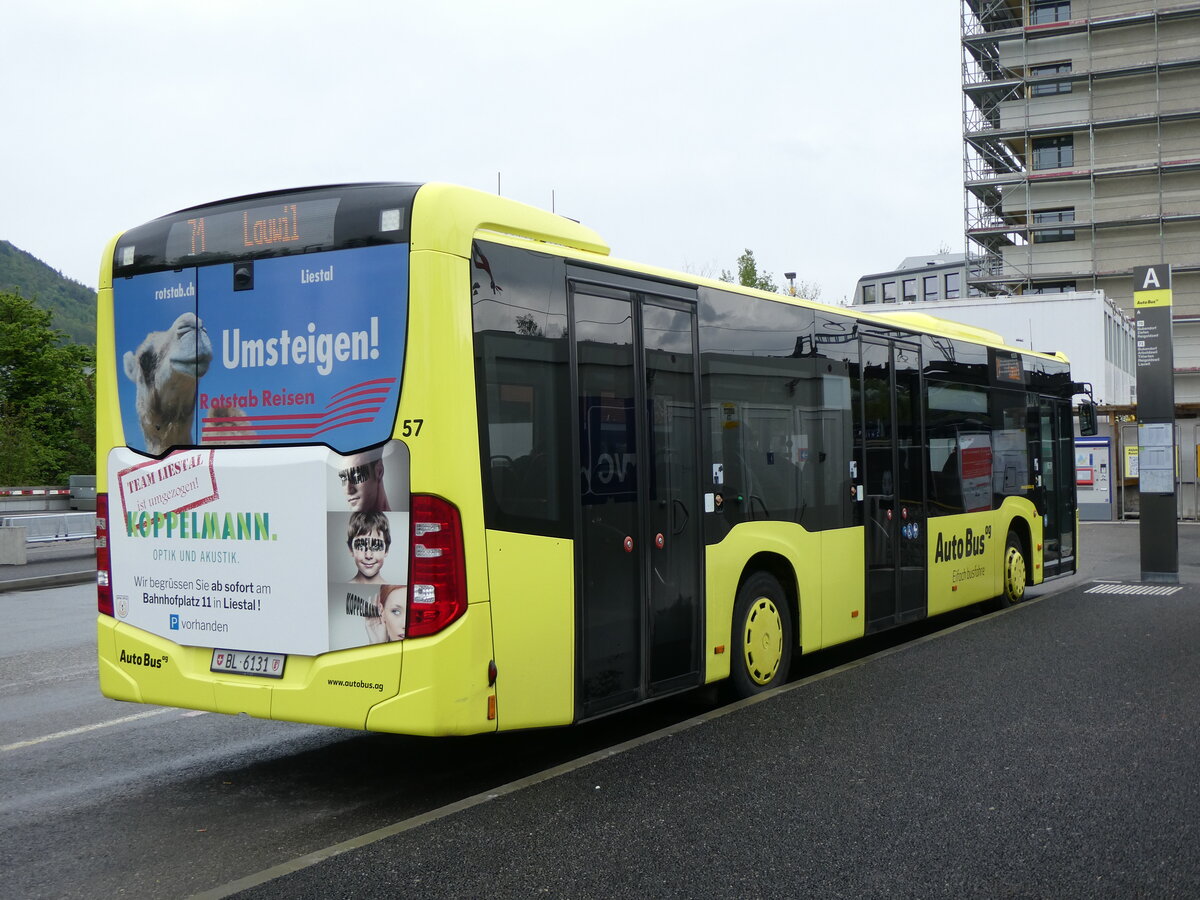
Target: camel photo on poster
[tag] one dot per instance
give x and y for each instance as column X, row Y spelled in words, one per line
column 165, row 369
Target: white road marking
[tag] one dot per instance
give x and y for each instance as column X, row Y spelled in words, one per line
column 82, row 730
column 1133, row 590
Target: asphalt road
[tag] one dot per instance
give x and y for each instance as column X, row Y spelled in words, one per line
column 52, row 564
column 1046, row 751
column 100, row 798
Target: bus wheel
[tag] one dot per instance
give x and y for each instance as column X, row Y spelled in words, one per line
column 1014, row 572
column 762, row 636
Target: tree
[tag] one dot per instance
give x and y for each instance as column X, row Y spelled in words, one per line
column 527, row 325
column 47, row 398
column 72, row 304
column 748, row 274
column 809, row 290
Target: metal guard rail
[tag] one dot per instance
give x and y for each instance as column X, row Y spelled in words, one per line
column 54, row 527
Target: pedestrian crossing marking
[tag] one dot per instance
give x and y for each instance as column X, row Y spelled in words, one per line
column 1132, row 590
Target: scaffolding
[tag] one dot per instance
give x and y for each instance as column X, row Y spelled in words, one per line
column 1081, row 142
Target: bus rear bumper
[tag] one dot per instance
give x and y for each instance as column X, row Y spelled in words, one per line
column 444, row 689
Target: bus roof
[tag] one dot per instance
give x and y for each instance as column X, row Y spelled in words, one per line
column 449, row 217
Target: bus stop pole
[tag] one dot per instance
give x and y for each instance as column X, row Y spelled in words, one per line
column 1158, row 525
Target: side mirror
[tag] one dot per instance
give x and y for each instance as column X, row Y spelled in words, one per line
column 1087, row 419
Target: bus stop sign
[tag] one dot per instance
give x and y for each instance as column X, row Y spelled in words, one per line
column 1152, row 301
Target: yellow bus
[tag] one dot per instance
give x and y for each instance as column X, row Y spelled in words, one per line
column 418, row 459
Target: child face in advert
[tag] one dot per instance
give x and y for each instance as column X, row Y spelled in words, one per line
column 369, row 551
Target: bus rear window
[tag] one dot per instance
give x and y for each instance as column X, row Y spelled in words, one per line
column 286, row 350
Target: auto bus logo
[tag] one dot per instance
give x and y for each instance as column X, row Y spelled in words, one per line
column 146, row 660
column 954, row 547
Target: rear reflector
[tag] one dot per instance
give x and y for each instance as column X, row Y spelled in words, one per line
column 104, row 597
column 437, row 584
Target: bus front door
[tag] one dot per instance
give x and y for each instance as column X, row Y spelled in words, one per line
column 893, row 457
column 639, row 550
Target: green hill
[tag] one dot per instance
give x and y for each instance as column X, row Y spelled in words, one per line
column 73, row 304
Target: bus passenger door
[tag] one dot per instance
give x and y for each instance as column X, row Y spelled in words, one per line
column 674, row 552
column 894, row 464
column 1057, row 469
column 638, row 542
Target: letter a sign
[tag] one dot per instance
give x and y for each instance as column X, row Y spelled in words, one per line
column 1151, row 286
column 1155, row 353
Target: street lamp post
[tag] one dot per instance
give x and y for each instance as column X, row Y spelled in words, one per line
column 791, row 277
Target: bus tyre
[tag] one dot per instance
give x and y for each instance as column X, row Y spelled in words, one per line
column 1014, row 573
column 762, row 636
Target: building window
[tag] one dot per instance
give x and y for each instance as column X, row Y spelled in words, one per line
column 1051, row 287
column 1043, row 11
column 929, row 287
column 1054, row 152
column 953, row 285
column 910, row 290
column 1045, row 88
column 889, row 292
column 868, row 293
column 1053, row 235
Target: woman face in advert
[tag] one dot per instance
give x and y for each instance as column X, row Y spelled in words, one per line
column 392, row 608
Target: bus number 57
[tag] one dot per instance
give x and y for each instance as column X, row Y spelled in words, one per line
column 411, row 427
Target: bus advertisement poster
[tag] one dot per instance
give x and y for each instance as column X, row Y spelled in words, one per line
column 284, row 350
column 206, row 544
column 976, row 461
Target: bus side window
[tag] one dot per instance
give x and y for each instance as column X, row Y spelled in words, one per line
column 945, row 485
column 779, row 401
column 961, row 471
column 518, row 306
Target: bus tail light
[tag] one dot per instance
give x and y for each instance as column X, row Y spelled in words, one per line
column 437, row 584
column 104, row 597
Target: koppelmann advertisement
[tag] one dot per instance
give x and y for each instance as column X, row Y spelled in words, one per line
column 293, row 550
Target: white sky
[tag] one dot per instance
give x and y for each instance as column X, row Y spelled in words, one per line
column 824, row 136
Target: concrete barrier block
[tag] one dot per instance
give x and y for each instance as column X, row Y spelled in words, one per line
column 12, row 545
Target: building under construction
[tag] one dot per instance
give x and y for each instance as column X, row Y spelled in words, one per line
column 1081, row 140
